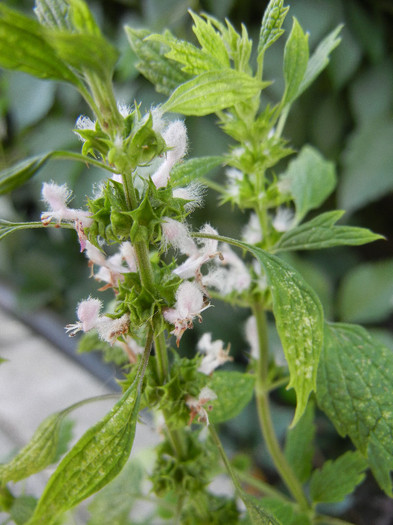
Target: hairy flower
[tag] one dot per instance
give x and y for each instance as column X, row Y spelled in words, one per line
column 190, row 303
column 175, row 137
column 283, row 220
column 199, row 407
column 111, row 269
column 231, row 274
column 252, row 232
column 215, row 354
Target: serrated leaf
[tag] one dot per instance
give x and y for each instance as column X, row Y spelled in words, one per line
column 258, row 515
column 299, row 449
column 295, row 62
column 321, row 232
column 210, row 41
column 12, row 178
column 365, row 294
column 319, row 59
column 53, row 13
column 40, row 452
column 196, row 168
column 163, row 73
column 312, row 179
column 299, row 319
column 85, row 52
column 336, row 479
column 272, row 21
column 194, row 60
column 213, row 91
column 234, row 391
column 93, row 462
column 23, row 46
column 354, row 390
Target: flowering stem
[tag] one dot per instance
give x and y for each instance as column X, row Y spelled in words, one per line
column 264, row 413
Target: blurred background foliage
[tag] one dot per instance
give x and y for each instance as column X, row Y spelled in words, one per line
column 347, row 114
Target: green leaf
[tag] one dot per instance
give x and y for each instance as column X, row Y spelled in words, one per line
column 319, row 59
column 354, row 390
column 23, row 46
column 82, row 19
column 114, row 502
column 234, row 391
column 166, row 75
column 338, row 478
column 40, row 452
column 299, row 318
column 213, row 91
column 272, row 21
column 22, row 508
column 185, row 172
column 321, row 232
column 210, row 41
column 53, row 13
column 365, row 293
column 93, row 462
column 85, row 52
column 12, row 178
column 258, row 515
column 295, row 62
column 299, row 449
column 312, row 179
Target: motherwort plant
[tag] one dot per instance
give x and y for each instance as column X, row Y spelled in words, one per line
column 139, row 243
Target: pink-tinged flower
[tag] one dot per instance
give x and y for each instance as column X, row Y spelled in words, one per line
column 88, row 313
column 128, row 253
column 231, row 274
column 57, row 198
column 189, row 304
column 199, row 407
column 111, row 269
column 193, row 193
column 215, row 356
column 175, row 137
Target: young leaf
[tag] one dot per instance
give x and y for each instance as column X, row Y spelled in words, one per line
column 234, row 391
column 210, row 41
column 40, row 452
column 299, row 318
column 336, row 479
column 272, row 21
column 312, row 179
column 295, row 62
column 258, row 515
column 53, row 14
column 12, row 178
column 81, row 18
column 354, row 390
column 93, row 462
column 321, row 232
column 166, row 75
column 299, row 448
column 365, row 293
column 23, row 47
column 319, row 59
column 213, row 91
column 185, row 172
column 22, row 508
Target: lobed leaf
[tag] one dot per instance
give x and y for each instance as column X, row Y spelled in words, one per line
column 234, row 391
column 312, row 179
column 165, row 74
column 93, row 462
column 295, row 62
column 321, row 232
column 354, row 390
column 24, row 47
column 213, row 91
column 196, row 168
column 336, row 479
column 210, row 41
column 272, row 21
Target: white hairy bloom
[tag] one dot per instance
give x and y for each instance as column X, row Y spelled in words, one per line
column 251, row 334
column 283, row 220
column 252, row 232
column 231, row 274
column 111, row 269
column 193, row 193
column 199, row 407
column 215, row 354
column 175, row 137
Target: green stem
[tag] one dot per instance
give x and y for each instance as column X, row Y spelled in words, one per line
column 262, row 487
column 225, row 459
column 264, row 413
column 161, row 357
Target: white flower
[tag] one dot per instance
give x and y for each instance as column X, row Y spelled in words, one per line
column 111, row 269
column 189, row 304
column 83, row 123
column 199, row 407
column 175, row 137
column 215, row 356
column 193, row 193
column 251, row 334
column 232, row 274
column 283, row 220
column 88, row 313
column 252, row 232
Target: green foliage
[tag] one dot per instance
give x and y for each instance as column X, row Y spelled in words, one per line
column 12, row 178
column 353, row 390
column 257, row 513
column 321, row 232
column 234, row 391
column 295, row 62
column 271, row 28
column 337, row 478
